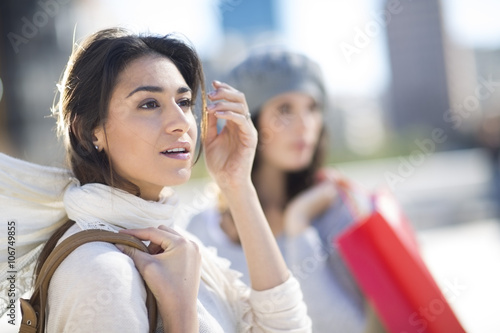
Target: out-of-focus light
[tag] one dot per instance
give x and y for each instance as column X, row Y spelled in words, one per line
column 473, row 23
column 1, row 89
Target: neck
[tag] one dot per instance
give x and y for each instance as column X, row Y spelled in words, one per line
column 270, row 183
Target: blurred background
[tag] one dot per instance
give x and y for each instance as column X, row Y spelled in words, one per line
column 414, row 91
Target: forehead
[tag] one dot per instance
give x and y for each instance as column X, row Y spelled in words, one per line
column 291, row 97
column 150, row 70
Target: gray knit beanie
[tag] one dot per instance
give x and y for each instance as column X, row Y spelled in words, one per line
column 266, row 74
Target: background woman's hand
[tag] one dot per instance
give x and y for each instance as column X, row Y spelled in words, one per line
column 229, row 154
column 172, row 272
column 306, row 206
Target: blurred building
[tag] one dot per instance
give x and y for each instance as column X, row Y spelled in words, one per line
column 245, row 25
column 248, row 17
column 419, row 92
column 30, row 65
column 488, row 69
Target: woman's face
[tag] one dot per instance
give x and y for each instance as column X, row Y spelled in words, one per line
column 151, row 130
column 289, row 129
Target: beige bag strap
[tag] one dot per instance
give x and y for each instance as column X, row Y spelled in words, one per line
column 33, row 311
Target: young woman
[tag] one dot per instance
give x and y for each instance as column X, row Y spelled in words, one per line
column 302, row 202
column 126, row 113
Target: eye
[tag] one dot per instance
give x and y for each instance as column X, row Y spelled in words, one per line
column 185, row 103
column 313, row 107
column 284, row 109
column 152, row 104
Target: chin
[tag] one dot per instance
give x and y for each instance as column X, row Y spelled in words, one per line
column 296, row 167
column 180, row 177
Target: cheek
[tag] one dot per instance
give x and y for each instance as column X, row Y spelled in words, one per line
column 120, row 134
column 317, row 125
column 272, row 131
column 271, row 138
column 130, row 137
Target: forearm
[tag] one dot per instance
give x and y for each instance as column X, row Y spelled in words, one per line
column 295, row 222
column 300, row 212
column 266, row 266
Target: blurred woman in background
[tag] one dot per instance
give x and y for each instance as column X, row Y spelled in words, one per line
column 302, row 201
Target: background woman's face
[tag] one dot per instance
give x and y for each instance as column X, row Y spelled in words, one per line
column 289, row 129
column 151, row 130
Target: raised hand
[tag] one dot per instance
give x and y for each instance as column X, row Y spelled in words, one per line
column 229, row 154
column 302, row 210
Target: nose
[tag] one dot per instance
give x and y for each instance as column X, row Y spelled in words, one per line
column 303, row 121
column 176, row 119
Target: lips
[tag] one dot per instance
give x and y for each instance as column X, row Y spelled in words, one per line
column 180, row 150
column 301, row 145
column 174, row 150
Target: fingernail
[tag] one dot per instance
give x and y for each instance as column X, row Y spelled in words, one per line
column 211, row 106
column 212, row 93
column 217, row 82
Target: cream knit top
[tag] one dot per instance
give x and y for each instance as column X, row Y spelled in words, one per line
column 98, row 289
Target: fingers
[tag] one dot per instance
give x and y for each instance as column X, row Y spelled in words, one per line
column 161, row 236
column 234, row 99
column 229, row 100
column 232, row 116
column 334, row 176
column 225, row 91
column 325, row 190
column 136, row 255
column 230, row 111
column 228, row 104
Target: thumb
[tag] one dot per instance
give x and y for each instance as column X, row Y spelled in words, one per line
column 129, row 251
column 140, row 259
column 328, row 191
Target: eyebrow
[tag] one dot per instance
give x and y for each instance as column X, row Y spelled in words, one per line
column 157, row 89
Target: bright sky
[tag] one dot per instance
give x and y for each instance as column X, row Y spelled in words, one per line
column 473, row 22
column 320, row 28
column 195, row 19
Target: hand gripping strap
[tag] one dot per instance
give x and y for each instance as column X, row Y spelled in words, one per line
column 36, row 306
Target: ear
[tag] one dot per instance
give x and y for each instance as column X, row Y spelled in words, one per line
column 99, row 138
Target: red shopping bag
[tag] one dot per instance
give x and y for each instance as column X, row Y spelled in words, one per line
column 382, row 254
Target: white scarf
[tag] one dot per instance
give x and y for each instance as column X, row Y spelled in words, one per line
column 97, row 206
column 40, row 199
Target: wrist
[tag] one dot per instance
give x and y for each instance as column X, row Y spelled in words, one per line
column 237, row 189
column 296, row 209
column 295, row 221
column 179, row 318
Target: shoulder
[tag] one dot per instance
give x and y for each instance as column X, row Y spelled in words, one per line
column 95, row 262
column 94, row 256
column 96, row 283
